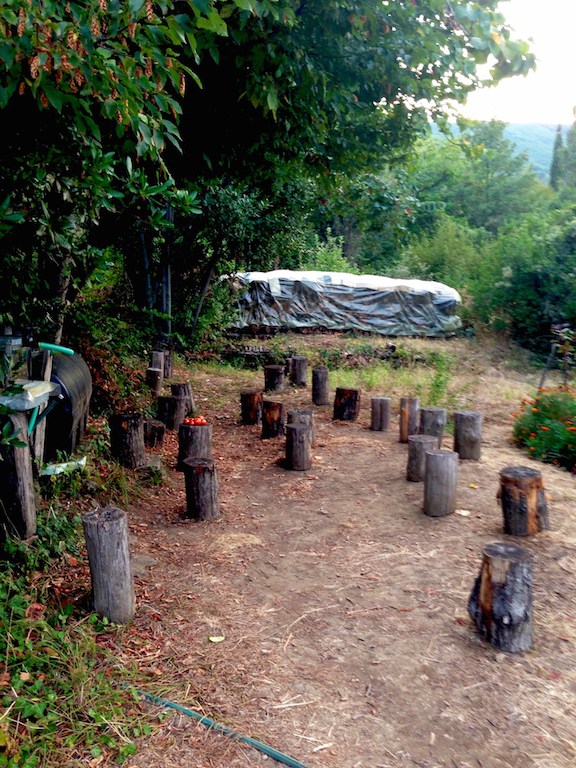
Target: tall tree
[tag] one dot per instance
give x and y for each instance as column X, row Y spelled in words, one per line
column 556, row 167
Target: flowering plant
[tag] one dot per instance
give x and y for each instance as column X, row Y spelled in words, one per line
column 546, row 426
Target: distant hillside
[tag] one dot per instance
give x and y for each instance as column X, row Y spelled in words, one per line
column 537, row 140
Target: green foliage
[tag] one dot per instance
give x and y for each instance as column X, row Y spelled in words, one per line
column 546, row 427
column 327, row 256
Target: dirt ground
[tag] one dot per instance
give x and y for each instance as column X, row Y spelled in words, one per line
column 342, row 607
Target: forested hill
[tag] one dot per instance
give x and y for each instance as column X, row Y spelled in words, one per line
column 537, row 140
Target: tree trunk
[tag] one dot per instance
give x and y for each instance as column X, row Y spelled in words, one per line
column 418, row 445
column 298, row 370
column 273, row 419
column 194, row 442
column 432, row 422
column 440, row 478
column 346, row 404
column 201, row 481
column 274, row 378
column 17, row 498
column 303, row 416
column 251, row 407
column 500, row 603
column 154, row 431
column 127, row 439
column 184, row 391
column 468, row 434
column 172, row 410
column 298, row 447
column 155, row 379
column 320, row 394
column 523, row 501
column 380, row 408
column 106, row 534
column 409, row 407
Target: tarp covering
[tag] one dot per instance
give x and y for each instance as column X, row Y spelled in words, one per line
column 339, row 301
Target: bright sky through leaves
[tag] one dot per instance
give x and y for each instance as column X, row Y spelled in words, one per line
column 547, row 95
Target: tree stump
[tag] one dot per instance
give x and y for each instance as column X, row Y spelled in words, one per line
column 127, row 439
column 409, row 407
column 154, row 431
column 273, row 419
column 303, row 416
column 251, row 406
column 500, row 603
column 106, row 534
column 194, row 442
column 168, row 364
column 320, row 394
column 468, row 434
column 172, row 410
column 432, row 422
column 346, row 404
column 184, row 390
column 523, row 501
column 274, row 378
column 201, row 481
column 157, row 359
column 298, row 447
column 155, row 379
column 418, row 445
column 380, row 408
column 298, row 371
column 440, row 478
column 17, row 499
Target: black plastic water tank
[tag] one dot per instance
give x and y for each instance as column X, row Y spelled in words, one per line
column 66, row 423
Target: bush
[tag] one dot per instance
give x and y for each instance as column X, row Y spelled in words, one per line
column 546, row 427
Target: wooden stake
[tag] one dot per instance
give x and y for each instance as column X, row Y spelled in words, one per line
column 201, row 481
column 432, row 422
column 346, row 404
column 320, row 395
column 127, row 439
column 380, row 408
column 17, row 499
column 468, row 434
column 298, row 447
column 418, row 445
column 106, row 534
column 168, row 364
column 409, row 407
column 440, row 477
column 523, row 501
column 194, row 442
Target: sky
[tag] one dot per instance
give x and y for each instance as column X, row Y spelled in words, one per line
column 547, row 95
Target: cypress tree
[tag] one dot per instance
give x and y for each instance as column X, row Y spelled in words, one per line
column 556, row 167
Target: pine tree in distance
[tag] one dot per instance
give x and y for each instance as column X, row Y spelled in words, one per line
column 557, row 159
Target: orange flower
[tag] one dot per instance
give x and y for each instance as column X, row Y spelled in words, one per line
column 545, row 429
column 534, row 410
column 532, row 434
column 532, row 448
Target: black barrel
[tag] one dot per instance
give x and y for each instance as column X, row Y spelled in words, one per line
column 66, row 423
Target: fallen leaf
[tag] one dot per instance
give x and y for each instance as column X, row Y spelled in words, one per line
column 216, row 638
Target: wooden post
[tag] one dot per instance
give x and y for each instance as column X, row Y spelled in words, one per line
column 168, row 364
column 201, row 481
column 154, row 431
column 380, row 408
column 40, row 364
column 251, row 406
column 274, row 378
column 409, row 407
column 157, row 359
column 346, row 404
column 155, row 379
column 440, row 477
column 320, row 394
column 298, row 447
column 17, row 500
column 172, row 410
column 273, row 419
column 298, row 370
column 106, row 534
column 523, row 501
column 303, row 416
column 184, row 391
column 500, row 603
column 127, row 439
column 418, row 445
column 432, row 422
column 194, row 442
column 468, row 434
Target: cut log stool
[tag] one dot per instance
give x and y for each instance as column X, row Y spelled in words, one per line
column 274, row 378
column 201, row 481
column 523, row 501
column 194, row 442
column 346, row 404
column 468, row 434
column 127, row 439
column 157, row 359
column 432, row 422
column 172, row 410
column 251, row 406
column 417, row 447
column 440, row 478
column 168, row 364
column 298, row 447
column 409, row 408
column 154, row 432
column 380, row 413
column 183, row 390
column 306, row 417
column 155, row 379
column 500, row 603
column 298, row 371
column 273, row 419
column 320, row 395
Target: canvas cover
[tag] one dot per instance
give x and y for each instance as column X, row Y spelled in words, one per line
column 339, row 301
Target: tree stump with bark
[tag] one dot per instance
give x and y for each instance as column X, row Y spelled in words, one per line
column 468, row 434
column 106, row 534
column 168, row 364
column 172, row 410
column 157, row 359
column 418, row 445
column 184, row 390
column 273, row 419
column 380, row 409
column 154, row 432
column 299, row 371
column 251, row 406
column 432, row 422
column 17, row 497
column 523, row 501
column 201, row 481
column 155, row 379
column 346, row 404
column 409, row 409
column 274, row 378
column 127, row 439
column 320, row 394
column 194, row 442
column 500, row 603
column 298, row 447
column 440, row 479
column 306, row 417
